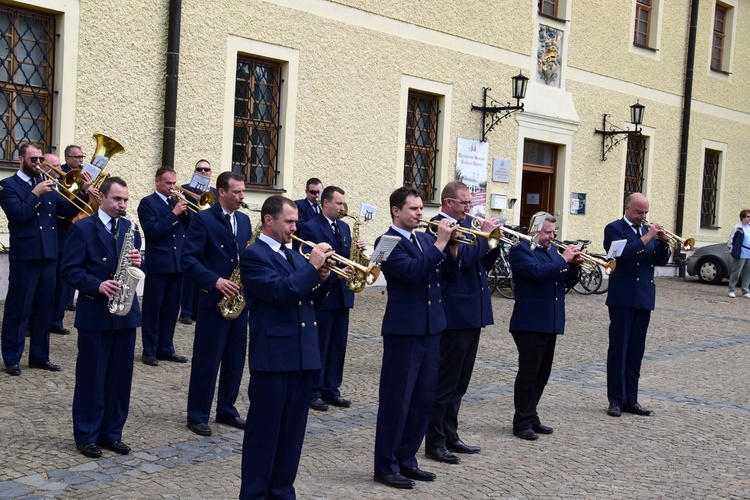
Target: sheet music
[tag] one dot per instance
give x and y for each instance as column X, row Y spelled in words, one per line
column 368, row 212
column 200, row 182
column 385, row 246
column 93, row 170
column 616, row 248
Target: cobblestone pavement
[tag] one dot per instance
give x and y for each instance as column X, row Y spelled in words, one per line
column 694, row 377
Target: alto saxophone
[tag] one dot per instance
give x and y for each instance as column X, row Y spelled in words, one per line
column 127, row 275
column 358, row 280
column 232, row 306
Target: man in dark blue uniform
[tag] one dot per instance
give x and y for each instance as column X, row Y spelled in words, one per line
column 31, row 205
column 468, row 309
column 164, row 221
column 630, row 299
column 106, row 342
column 414, row 317
column 333, row 315
column 215, row 238
column 282, row 291
column 541, row 276
column 309, row 206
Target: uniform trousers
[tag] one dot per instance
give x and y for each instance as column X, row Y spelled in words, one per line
column 31, row 294
column 188, row 299
column 535, row 354
column 627, row 343
column 333, row 332
column 274, row 433
column 161, row 304
column 458, row 352
column 63, row 296
column 407, row 392
column 104, row 375
column 220, row 345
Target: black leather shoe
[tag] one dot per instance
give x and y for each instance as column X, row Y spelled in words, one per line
column 59, row 330
column 542, row 429
column 337, row 401
column 90, row 450
column 236, row 422
column 526, row 434
column 47, row 365
column 636, row 409
column 417, row 474
column 614, row 410
column 175, row 358
column 70, row 306
column 186, row 321
column 14, row 370
column 318, row 404
column 200, row 429
column 149, row 360
column 461, row 447
column 116, row 446
column 395, row 481
column 442, row 455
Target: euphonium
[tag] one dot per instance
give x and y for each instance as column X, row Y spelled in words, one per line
column 127, row 275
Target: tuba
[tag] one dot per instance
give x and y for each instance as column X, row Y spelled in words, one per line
column 127, row 275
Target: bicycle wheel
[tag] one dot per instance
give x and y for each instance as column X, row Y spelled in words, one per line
column 603, row 286
column 504, row 279
column 492, row 280
column 589, row 282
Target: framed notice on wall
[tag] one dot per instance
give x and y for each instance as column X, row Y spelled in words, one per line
column 578, row 203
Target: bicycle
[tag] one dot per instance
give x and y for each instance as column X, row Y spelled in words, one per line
column 500, row 277
column 589, row 281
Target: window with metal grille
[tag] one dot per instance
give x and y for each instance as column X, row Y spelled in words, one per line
column 257, row 99
column 548, row 7
column 642, row 22
column 421, row 143
column 717, row 50
column 634, row 161
column 710, row 187
column 27, row 55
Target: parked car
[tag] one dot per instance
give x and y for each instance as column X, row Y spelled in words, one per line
column 710, row 263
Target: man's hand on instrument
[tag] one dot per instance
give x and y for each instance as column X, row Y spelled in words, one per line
column 361, row 245
column 86, row 181
column 445, row 230
column 43, row 187
column 571, row 253
column 135, row 257
column 319, row 254
column 180, row 206
column 323, row 273
column 489, row 224
column 227, row 287
column 109, row 288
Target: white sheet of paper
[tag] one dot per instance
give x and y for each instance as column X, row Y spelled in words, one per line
column 385, row 246
column 368, row 212
column 91, row 169
column 200, row 182
column 616, row 248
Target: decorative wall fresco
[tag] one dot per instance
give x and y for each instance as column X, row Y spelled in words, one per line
column 549, row 56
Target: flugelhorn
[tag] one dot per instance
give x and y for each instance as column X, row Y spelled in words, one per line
column 589, row 262
column 69, row 193
column 493, row 237
column 674, row 241
column 358, row 272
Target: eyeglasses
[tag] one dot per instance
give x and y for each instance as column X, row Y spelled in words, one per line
column 35, row 159
column 202, row 169
column 81, row 157
column 464, row 203
column 313, row 191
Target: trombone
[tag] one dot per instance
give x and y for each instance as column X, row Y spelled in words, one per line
column 674, row 241
column 360, row 275
column 69, row 192
column 493, row 237
column 590, row 262
column 202, row 201
column 512, row 238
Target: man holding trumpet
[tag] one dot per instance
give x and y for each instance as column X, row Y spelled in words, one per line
column 467, row 310
column 630, row 300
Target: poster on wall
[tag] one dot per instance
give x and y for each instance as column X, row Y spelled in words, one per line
column 471, row 169
column 501, row 170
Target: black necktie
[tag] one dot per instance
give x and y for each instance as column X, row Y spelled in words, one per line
column 414, row 240
column 287, row 254
column 171, row 202
column 113, row 226
column 34, row 181
column 317, row 209
column 228, row 218
column 335, row 229
column 637, row 229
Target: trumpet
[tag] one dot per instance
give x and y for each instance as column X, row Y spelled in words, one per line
column 202, row 201
column 69, row 192
column 674, row 241
column 493, row 237
column 513, row 238
column 590, row 262
column 360, row 275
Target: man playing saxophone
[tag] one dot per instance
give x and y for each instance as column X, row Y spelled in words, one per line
column 106, row 342
column 214, row 240
column 333, row 315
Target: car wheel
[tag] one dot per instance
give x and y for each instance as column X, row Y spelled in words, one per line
column 710, row 271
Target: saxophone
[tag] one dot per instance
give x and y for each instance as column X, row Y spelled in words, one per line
column 358, row 280
column 231, row 307
column 127, row 275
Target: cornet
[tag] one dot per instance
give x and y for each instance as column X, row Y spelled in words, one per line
column 674, row 241
column 590, row 263
column 493, row 237
column 360, row 275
